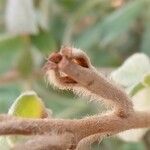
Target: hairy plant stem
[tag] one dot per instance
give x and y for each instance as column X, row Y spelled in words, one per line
column 80, row 128
column 81, row 76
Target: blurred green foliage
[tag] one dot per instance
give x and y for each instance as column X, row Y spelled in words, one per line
column 108, row 30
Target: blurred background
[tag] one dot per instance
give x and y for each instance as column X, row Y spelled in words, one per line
column 108, row 30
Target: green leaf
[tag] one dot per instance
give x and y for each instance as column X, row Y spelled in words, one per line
column 28, row 105
column 112, row 26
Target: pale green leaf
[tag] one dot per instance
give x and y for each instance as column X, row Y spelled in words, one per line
column 132, row 70
column 3, row 144
column 134, row 135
